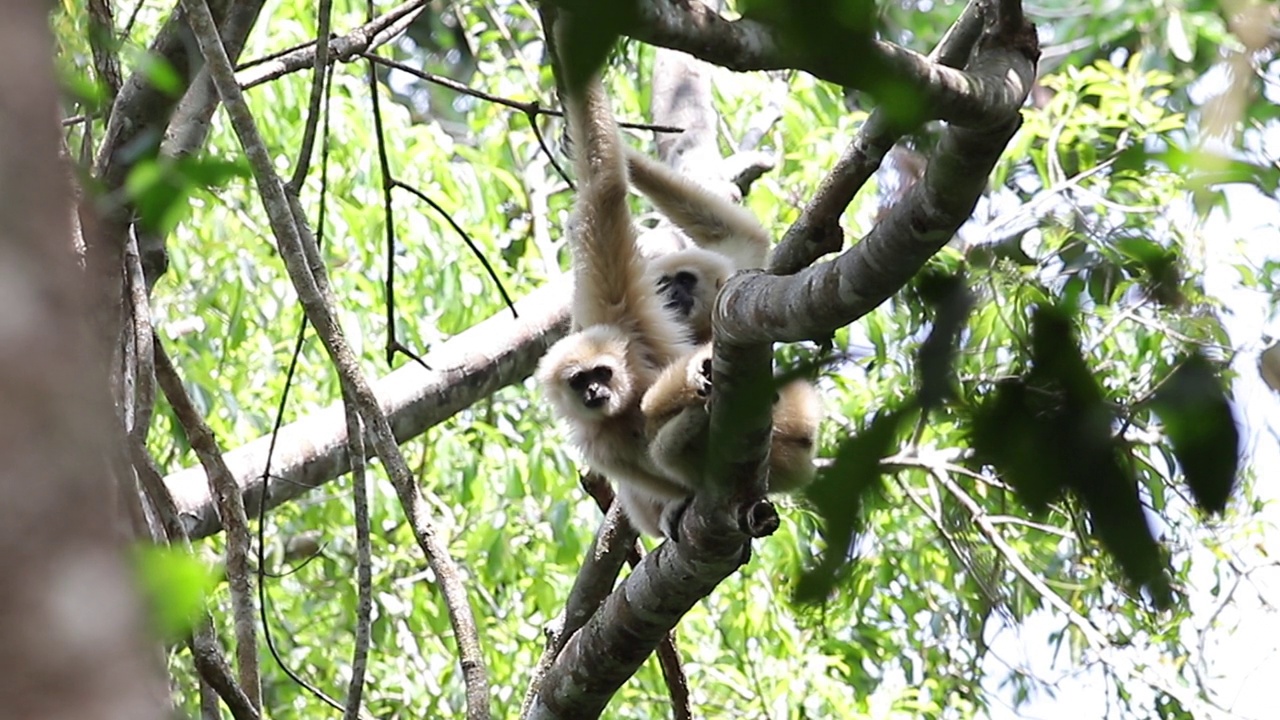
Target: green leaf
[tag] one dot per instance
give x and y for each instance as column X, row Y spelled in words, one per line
column 175, row 584
column 1197, row 417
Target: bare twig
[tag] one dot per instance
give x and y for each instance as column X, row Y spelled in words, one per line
column 364, row 561
column 310, row 281
column 475, row 250
column 231, row 508
column 376, row 32
column 528, row 108
column 320, row 75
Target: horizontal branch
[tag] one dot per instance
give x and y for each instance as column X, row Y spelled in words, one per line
column 491, row 355
column 947, row 93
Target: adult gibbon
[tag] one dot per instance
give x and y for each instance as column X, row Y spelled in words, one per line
column 727, row 237
column 637, row 317
column 596, row 377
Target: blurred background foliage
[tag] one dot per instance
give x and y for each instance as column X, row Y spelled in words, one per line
column 1150, row 142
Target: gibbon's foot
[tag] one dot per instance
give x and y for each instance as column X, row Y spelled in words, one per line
column 700, row 376
column 672, row 514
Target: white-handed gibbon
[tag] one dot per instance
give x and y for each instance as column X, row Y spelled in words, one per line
column 636, row 317
column 677, row 425
column 727, row 237
column 596, row 377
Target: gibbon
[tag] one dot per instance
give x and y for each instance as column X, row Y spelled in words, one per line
column 596, row 377
column 637, row 318
column 677, row 425
column 727, row 237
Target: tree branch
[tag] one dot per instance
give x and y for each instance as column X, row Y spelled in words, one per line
column 816, row 301
column 478, row 362
column 311, row 284
column 746, row 44
column 817, row 231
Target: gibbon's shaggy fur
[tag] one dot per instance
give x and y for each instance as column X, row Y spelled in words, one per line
column 677, row 425
column 637, row 318
column 727, row 237
column 596, row 377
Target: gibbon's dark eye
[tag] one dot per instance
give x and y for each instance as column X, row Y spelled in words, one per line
column 583, row 379
column 686, row 279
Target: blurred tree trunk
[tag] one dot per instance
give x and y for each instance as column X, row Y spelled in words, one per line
column 71, row 644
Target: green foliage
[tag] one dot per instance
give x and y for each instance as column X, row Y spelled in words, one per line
column 1095, row 421
column 176, row 586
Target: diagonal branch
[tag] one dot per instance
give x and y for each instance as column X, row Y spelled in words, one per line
column 487, row 357
column 816, row 301
column 311, row 284
column 817, row 231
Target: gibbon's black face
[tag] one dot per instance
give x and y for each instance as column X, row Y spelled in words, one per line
column 680, row 290
column 592, row 385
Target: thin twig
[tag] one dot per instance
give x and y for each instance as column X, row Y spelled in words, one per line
column 320, row 75
column 388, row 217
column 311, row 283
column 364, row 560
column 226, row 493
column 376, row 32
column 493, row 275
column 528, row 108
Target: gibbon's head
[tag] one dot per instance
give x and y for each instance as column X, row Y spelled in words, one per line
column 585, row 375
column 688, row 281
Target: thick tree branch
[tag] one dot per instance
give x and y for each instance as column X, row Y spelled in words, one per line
column 311, row 284
column 816, row 301
column 473, row 365
column 745, row 44
column 632, row 621
column 817, row 231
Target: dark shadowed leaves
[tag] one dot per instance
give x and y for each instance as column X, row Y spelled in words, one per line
column 587, row 32
column 950, row 300
column 1196, row 414
column 840, row 494
column 1051, row 432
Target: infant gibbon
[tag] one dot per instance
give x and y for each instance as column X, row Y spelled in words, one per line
column 678, row 425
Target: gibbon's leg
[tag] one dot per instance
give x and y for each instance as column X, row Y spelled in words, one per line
column 643, row 511
column 794, row 442
column 677, row 425
column 676, row 419
column 708, row 219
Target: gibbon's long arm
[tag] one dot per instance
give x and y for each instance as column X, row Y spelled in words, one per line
column 709, row 220
column 613, row 281
column 595, row 378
